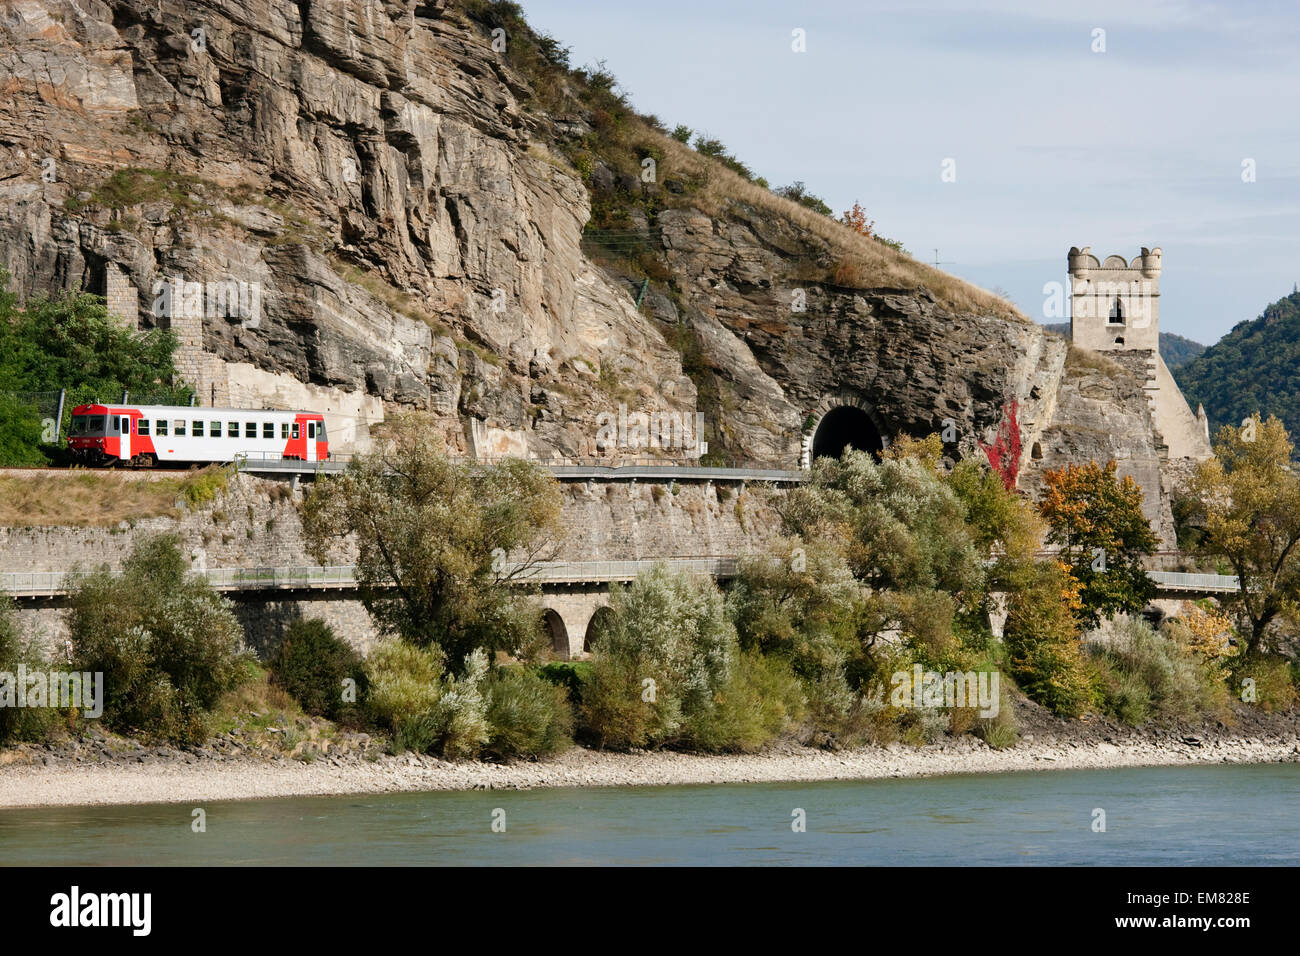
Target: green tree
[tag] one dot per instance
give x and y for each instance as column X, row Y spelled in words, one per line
column 667, row 671
column 312, row 663
column 1097, row 521
column 1042, row 641
column 71, row 342
column 167, row 644
column 900, row 525
column 1247, row 499
column 444, row 547
column 20, row 723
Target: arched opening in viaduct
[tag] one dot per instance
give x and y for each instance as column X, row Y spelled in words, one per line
column 844, row 427
column 554, row 627
column 594, row 627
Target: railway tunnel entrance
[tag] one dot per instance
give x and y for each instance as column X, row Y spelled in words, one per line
column 841, row 428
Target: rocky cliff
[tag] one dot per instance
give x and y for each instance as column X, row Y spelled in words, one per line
column 420, row 204
column 387, row 182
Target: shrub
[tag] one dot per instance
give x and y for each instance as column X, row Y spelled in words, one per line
column 403, row 681
column 426, row 710
column 1002, row 730
column 662, row 657
column 461, row 711
column 759, row 700
column 1273, row 687
column 1042, row 643
column 568, row 674
column 528, row 716
column 168, row 645
column 311, row 663
column 1144, row 675
column 20, row 723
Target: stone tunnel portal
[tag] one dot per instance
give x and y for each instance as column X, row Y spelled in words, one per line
column 844, row 427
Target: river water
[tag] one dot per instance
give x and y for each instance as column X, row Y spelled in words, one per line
column 1211, row 815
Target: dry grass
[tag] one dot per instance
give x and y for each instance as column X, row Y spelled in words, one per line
column 96, row 499
column 1079, row 358
column 859, row 262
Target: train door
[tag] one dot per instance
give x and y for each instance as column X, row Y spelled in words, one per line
column 124, row 426
column 311, row 441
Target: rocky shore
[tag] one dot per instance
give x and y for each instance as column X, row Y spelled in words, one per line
column 108, row 771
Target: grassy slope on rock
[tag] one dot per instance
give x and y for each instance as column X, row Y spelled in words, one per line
column 620, row 138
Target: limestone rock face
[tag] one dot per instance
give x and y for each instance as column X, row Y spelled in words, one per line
column 368, row 179
column 1102, row 414
column 366, row 165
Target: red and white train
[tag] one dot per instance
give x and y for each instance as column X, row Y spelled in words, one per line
column 146, row 435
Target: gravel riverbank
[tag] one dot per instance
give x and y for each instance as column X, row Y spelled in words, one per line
column 201, row 777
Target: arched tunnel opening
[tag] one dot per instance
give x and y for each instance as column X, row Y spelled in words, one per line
column 842, row 428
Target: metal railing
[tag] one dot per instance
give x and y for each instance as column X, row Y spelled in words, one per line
column 343, row 576
column 1187, row 581
column 648, row 468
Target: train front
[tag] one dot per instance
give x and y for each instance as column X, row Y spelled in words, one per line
column 89, row 437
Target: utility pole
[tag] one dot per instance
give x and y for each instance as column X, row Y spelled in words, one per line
column 937, row 263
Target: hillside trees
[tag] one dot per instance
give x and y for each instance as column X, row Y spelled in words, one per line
column 71, row 341
column 1247, row 498
column 1097, row 520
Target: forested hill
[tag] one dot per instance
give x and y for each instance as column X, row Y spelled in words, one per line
column 1175, row 349
column 1254, row 368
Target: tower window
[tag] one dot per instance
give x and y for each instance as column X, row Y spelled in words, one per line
column 1116, row 312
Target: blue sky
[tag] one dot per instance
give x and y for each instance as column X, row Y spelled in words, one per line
column 1054, row 145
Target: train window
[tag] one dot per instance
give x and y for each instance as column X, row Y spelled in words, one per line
column 197, row 430
column 294, row 430
column 320, row 431
column 160, row 427
column 214, row 430
column 268, row 429
column 143, row 427
column 250, row 429
column 232, row 429
column 284, row 430
column 178, row 428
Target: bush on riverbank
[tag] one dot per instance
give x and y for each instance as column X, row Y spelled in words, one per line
column 19, row 724
column 668, row 671
column 528, row 716
column 1042, row 642
column 1266, row 680
column 313, row 665
column 504, row 713
column 167, row 644
column 425, row 709
column 1143, row 675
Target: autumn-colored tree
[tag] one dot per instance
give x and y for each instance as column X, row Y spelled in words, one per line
column 1097, row 520
column 928, row 450
column 1247, row 498
column 1004, row 453
column 856, row 219
column 1208, row 632
column 1042, row 640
